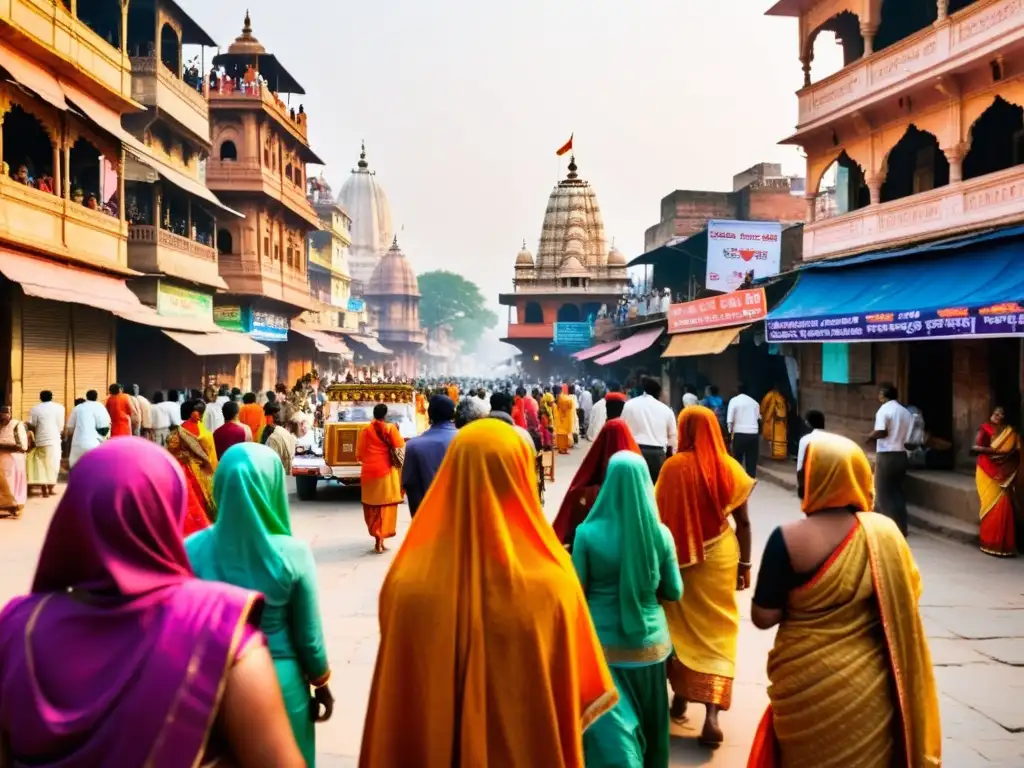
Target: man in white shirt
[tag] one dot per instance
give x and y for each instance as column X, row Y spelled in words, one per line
column 160, row 416
column 743, row 420
column 653, row 425
column 816, row 421
column 88, row 426
column 213, row 418
column 587, row 404
column 893, row 424
column 690, row 396
column 599, row 413
column 46, row 422
column 145, row 409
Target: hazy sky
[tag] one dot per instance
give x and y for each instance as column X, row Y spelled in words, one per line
column 463, row 103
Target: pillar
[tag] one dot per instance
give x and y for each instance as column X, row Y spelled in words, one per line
column 943, row 8
column 157, row 221
column 805, row 62
column 955, row 155
column 55, row 140
column 812, row 204
column 868, row 32
column 67, row 169
column 120, row 186
column 874, row 183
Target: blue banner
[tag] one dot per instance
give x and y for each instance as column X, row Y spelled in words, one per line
column 1000, row 320
column 266, row 326
column 572, row 336
column 355, row 304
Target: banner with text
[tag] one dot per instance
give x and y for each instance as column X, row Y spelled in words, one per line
column 736, row 308
column 955, row 322
column 738, row 247
column 572, row 336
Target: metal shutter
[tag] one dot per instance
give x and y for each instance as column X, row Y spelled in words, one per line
column 92, row 350
column 45, row 327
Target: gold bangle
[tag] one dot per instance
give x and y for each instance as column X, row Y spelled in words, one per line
column 321, row 681
column 745, row 565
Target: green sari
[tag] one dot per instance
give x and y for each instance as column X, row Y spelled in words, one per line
column 626, row 561
column 251, row 546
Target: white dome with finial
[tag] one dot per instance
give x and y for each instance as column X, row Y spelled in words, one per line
column 524, row 258
column 367, row 205
column 616, row 258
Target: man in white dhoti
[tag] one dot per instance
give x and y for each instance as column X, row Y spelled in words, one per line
column 46, row 425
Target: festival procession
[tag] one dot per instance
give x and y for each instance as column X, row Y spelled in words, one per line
column 303, row 465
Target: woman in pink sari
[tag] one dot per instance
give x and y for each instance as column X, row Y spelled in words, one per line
column 13, row 475
column 113, row 592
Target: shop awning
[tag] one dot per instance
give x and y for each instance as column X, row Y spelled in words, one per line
column 635, row 344
column 218, row 343
column 970, row 293
column 32, row 76
column 324, row 342
column 371, row 343
column 110, row 121
column 703, row 342
column 597, row 350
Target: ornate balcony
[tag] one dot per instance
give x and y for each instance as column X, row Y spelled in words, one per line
column 70, row 47
column 154, row 85
column 251, row 176
column 155, row 250
column 991, row 200
column 247, row 276
column 256, row 97
column 978, row 33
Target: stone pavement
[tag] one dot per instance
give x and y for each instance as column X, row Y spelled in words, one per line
column 973, row 608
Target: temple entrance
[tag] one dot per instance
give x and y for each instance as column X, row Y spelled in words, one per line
column 930, row 388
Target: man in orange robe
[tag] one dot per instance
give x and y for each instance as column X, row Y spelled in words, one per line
column 119, row 406
column 380, row 450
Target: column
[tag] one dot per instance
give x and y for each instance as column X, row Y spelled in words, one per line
column 67, row 168
column 120, row 187
column 955, row 155
column 812, row 201
column 805, row 62
column 943, row 7
column 188, row 224
column 868, row 32
column 55, row 140
column 874, row 182
column 156, row 209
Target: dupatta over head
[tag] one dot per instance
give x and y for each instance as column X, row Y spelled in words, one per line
column 700, row 486
column 838, row 476
column 119, row 655
column 613, row 437
column 626, row 505
column 488, row 654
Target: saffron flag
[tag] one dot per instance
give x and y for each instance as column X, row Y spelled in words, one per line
column 566, row 147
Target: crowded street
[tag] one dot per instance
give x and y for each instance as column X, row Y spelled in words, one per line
column 973, row 610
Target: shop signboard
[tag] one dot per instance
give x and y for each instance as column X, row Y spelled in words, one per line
column 572, row 336
column 738, row 247
column 736, row 308
column 173, row 301
column 355, row 304
column 1005, row 319
column 267, row 326
column 230, row 317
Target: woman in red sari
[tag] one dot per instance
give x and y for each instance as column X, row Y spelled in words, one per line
column 380, row 450
column 998, row 449
column 192, row 445
column 586, row 484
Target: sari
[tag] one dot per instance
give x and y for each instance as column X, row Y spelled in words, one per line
column 453, row 393
column 480, row 612
column 586, row 483
column 13, row 467
column 565, row 413
column 851, row 680
column 112, row 593
column 192, row 445
column 774, row 415
column 251, row 546
column 380, row 481
column 546, row 413
column 253, row 417
column 519, row 412
column 625, row 558
column 698, row 489
column 422, row 418
column 997, row 489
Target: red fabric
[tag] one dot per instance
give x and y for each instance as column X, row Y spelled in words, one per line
column 617, row 396
column 227, row 435
column 119, row 407
column 519, row 413
column 614, row 437
column 764, row 752
column 997, row 470
column 565, row 147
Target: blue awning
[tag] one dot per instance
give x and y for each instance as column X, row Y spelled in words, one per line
column 951, row 294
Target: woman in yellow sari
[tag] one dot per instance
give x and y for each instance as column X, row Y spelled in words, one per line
column 698, row 489
column 998, row 449
column 565, row 413
column 192, row 445
column 488, row 655
column 851, row 674
column 380, row 450
column 774, row 428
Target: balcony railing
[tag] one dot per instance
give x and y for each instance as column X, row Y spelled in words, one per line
column 531, row 331
column 154, row 85
column 977, row 32
column 994, row 199
column 226, row 93
column 145, row 233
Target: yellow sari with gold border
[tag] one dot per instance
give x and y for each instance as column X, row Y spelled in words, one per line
column 851, row 674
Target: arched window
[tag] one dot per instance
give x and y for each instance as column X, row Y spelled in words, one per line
column 170, row 49
column 835, row 44
column 224, row 242
column 27, row 150
column 958, row 5
column 902, row 18
column 533, row 313
column 841, row 189
column 916, row 164
column 569, row 313
column 228, row 151
column 997, row 140
column 288, row 171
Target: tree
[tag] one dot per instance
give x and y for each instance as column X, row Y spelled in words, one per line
column 451, row 299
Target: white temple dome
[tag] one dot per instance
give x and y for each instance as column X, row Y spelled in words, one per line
column 616, row 258
column 367, row 205
column 393, row 275
column 524, row 258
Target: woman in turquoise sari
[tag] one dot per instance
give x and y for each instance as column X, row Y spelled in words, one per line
column 626, row 561
column 251, row 545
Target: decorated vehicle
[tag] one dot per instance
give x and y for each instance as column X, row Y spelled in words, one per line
column 329, row 453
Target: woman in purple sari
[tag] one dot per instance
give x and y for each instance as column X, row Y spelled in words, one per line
column 120, row 656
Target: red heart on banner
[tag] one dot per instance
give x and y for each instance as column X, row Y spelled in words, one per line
column 747, row 255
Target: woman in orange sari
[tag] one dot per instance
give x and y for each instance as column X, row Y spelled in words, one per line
column 192, row 445
column 380, row 450
column 586, row 483
column 565, row 412
column 488, row 655
column 851, row 680
column 998, row 449
column 698, row 489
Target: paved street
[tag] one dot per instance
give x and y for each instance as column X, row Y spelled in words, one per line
column 973, row 608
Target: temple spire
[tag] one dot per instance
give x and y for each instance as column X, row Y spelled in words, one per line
column 572, row 168
column 362, row 155
column 247, row 25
